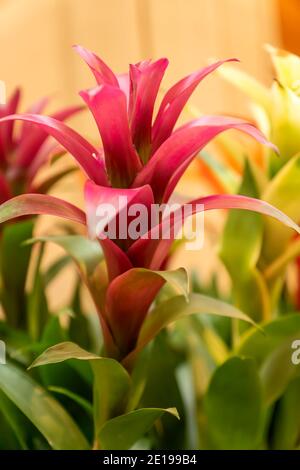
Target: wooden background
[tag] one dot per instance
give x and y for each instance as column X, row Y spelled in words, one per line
column 36, row 38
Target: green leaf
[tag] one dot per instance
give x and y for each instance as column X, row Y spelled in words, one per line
column 41, row 409
column 287, row 66
column 286, row 422
column 161, row 387
column 215, row 345
column 277, row 371
column 139, row 378
column 37, row 306
column 260, row 346
column 85, row 404
column 53, row 332
column 249, row 85
column 177, row 279
column 111, row 380
column 15, row 418
column 64, row 352
column 240, row 254
column 122, row 432
column 279, row 265
column 14, row 265
column 55, row 268
column 72, row 375
column 273, row 354
column 111, row 389
column 284, row 193
column 8, row 440
column 86, row 253
column 16, row 342
column 64, row 374
column 233, row 405
column 285, row 118
column 177, row 307
column 84, row 328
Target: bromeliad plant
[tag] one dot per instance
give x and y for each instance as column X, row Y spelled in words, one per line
column 271, row 247
column 257, row 262
column 142, row 159
column 24, row 152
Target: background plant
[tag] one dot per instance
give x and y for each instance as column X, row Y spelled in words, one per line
column 257, row 263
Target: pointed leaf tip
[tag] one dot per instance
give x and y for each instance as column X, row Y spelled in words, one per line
column 39, row 204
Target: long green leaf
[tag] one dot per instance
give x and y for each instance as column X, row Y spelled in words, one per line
column 14, row 265
column 240, row 254
column 15, row 418
column 277, row 267
column 37, row 306
column 178, row 307
column 286, row 422
column 85, row 404
column 111, row 380
column 284, row 193
column 254, row 344
column 273, row 354
column 41, row 409
column 278, row 370
column 233, row 405
column 122, row 432
column 86, row 253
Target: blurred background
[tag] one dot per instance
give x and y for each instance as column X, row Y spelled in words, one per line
column 35, row 52
column 36, row 38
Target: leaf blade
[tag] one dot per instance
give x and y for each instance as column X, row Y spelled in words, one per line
column 41, row 409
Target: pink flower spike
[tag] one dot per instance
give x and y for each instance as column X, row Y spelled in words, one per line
column 175, row 100
column 83, row 152
column 117, row 261
column 151, row 252
column 120, row 199
column 124, row 84
column 6, row 131
column 39, row 204
column 35, row 108
column 145, row 80
column 108, row 105
column 101, row 71
column 172, row 158
column 34, row 137
column 48, row 150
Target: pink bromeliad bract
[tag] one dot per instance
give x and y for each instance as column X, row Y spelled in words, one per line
column 143, row 157
column 24, row 151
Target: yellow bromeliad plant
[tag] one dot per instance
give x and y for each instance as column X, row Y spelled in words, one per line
column 258, row 265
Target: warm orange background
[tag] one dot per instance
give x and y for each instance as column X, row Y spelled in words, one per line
column 36, row 38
